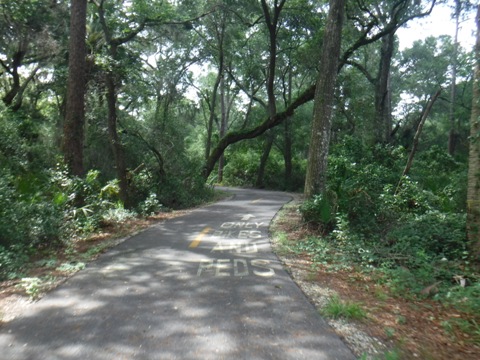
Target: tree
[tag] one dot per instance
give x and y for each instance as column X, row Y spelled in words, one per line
column 270, row 43
column 30, row 40
column 452, row 136
column 272, row 19
column 76, row 88
column 368, row 27
column 159, row 93
column 460, row 8
column 387, row 17
column 473, row 190
column 233, row 137
column 117, row 33
column 112, row 83
column 315, row 181
column 219, row 29
column 421, row 70
column 416, row 138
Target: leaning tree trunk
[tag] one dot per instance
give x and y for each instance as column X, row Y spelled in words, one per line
column 315, row 181
column 220, row 34
column 233, row 137
column 73, row 131
column 473, row 190
column 416, row 138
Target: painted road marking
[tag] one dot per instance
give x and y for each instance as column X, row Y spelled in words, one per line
column 235, row 267
column 238, row 230
column 256, row 201
column 235, row 247
column 199, row 237
column 241, row 225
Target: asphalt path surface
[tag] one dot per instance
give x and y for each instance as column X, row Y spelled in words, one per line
column 202, row 286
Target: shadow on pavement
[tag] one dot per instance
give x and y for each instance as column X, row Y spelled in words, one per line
column 153, row 297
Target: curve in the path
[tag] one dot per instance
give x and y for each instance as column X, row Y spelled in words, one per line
column 202, row 286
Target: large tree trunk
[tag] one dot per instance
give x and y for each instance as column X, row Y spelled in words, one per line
column 111, row 83
column 115, row 142
column 383, row 99
column 473, row 191
column 220, row 35
column 213, row 104
column 76, row 88
column 315, row 181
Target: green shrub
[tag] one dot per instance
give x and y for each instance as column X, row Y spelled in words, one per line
column 321, row 210
column 241, row 168
column 439, row 235
column 13, row 260
column 116, row 215
column 150, row 205
column 465, row 298
column 177, row 192
column 84, row 202
column 30, row 217
column 413, row 233
column 358, row 175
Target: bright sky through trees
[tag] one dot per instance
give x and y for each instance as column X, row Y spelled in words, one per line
column 440, row 22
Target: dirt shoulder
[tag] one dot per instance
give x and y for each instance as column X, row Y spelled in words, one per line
column 395, row 328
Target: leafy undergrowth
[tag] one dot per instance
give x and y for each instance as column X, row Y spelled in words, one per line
column 412, row 323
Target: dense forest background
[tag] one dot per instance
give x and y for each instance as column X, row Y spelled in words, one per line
column 113, row 109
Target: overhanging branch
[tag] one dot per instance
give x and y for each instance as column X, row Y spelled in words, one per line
column 236, row 136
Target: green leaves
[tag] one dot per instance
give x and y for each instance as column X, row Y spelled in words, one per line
column 417, row 234
column 321, row 209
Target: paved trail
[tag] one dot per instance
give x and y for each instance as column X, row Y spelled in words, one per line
column 202, row 286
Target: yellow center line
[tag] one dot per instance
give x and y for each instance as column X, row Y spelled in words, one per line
column 199, row 237
column 255, row 201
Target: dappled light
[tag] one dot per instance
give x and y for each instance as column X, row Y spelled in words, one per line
column 120, row 115
column 153, row 294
